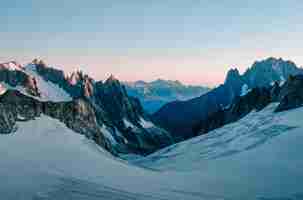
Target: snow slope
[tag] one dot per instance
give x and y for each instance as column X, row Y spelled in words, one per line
column 257, row 158
column 45, row 160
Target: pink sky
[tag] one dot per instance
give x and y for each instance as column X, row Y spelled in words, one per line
column 205, row 69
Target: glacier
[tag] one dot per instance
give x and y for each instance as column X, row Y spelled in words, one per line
column 257, row 158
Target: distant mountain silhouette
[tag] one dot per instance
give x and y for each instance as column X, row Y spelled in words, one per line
column 155, row 94
column 179, row 117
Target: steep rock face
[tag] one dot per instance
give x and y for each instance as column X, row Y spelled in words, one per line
column 78, row 114
column 233, row 83
column 113, row 98
column 265, row 72
column 256, row 99
column 126, row 114
column 180, row 117
column 13, row 74
column 291, row 95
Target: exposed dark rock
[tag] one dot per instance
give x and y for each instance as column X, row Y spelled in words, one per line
column 78, row 114
column 291, row 95
column 256, row 99
column 180, row 117
column 265, row 72
column 275, row 92
column 112, row 99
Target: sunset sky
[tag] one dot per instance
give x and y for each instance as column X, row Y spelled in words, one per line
column 194, row 41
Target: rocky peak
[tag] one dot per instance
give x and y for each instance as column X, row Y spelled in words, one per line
column 232, row 76
column 113, row 87
column 112, row 80
column 113, row 97
column 39, row 63
column 73, row 78
column 88, row 87
column 265, row 72
column 234, row 82
column 11, row 66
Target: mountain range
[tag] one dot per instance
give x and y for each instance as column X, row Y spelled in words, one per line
column 180, row 117
column 79, row 138
column 155, row 94
column 102, row 111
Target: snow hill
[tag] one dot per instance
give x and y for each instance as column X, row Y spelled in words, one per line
column 257, row 158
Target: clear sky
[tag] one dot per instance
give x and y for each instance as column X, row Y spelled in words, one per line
column 194, row 41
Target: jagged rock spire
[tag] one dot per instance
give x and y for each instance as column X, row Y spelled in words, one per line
column 232, row 75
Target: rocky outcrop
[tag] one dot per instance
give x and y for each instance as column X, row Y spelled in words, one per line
column 112, row 97
column 118, row 108
column 256, row 99
column 12, row 74
column 77, row 115
column 291, row 94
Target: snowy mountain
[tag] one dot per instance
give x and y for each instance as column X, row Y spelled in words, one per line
column 180, row 117
column 71, row 146
column 102, row 111
column 155, row 94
